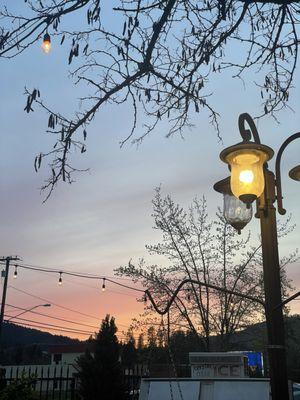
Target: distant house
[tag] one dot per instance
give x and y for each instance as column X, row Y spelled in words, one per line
column 67, row 354
column 59, row 375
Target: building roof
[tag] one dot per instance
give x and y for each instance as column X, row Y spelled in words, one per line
column 69, row 348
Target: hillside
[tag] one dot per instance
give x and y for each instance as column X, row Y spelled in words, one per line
column 16, row 335
column 28, row 346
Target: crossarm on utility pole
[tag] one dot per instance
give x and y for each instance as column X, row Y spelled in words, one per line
column 7, row 263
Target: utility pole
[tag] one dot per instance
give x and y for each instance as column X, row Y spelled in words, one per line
column 7, row 264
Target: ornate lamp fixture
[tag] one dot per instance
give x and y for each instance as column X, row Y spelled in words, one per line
column 251, row 180
column 246, row 161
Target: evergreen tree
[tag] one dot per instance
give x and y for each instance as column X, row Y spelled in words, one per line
column 129, row 352
column 140, row 344
column 100, row 371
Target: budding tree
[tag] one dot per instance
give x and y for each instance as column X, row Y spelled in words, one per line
column 158, row 55
column 209, row 252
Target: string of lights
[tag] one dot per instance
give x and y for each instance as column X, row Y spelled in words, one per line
column 146, row 294
column 60, row 273
column 73, row 282
column 86, row 275
column 59, row 269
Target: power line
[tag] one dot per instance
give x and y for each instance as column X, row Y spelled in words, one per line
column 54, row 304
column 57, row 318
column 25, row 325
column 60, row 306
column 46, row 324
column 65, row 330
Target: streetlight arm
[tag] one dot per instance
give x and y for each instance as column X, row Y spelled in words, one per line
column 247, row 133
column 25, row 311
column 21, row 313
column 281, row 210
column 170, row 302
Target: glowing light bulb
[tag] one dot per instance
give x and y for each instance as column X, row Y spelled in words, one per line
column 60, row 279
column 46, row 45
column 16, row 272
column 246, row 176
column 238, row 211
column 103, row 285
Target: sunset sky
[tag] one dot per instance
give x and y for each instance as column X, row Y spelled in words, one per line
column 103, row 220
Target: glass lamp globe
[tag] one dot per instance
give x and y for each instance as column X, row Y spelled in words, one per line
column 246, row 161
column 235, row 212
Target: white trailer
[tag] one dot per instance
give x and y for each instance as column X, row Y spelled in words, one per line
column 205, row 389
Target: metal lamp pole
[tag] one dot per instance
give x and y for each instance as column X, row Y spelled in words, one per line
column 272, row 287
column 266, row 212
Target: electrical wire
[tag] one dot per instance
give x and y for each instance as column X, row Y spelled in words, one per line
column 65, row 330
column 25, row 325
column 54, row 304
column 46, row 324
column 57, row 318
column 60, row 306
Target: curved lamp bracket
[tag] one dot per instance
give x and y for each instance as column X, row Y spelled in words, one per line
column 248, row 133
column 281, row 210
column 192, row 281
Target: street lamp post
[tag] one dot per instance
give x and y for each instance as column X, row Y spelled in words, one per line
column 252, row 180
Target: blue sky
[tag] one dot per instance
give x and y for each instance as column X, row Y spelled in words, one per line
column 103, row 219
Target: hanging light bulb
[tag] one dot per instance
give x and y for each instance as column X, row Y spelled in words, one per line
column 60, row 279
column 16, row 272
column 103, row 285
column 247, row 162
column 46, row 45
